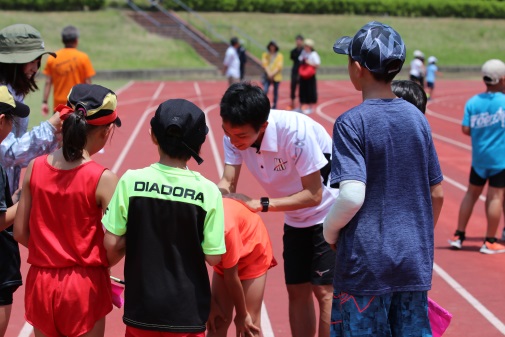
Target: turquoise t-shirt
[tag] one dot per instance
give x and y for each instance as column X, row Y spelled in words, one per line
column 485, row 115
column 171, row 218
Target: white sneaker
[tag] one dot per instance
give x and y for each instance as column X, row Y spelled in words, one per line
column 492, row 248
column 455, row 243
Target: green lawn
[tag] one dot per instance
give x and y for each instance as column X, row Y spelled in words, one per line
column 111, row 38
column 453, row 41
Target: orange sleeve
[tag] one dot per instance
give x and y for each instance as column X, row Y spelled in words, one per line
column 89, row 71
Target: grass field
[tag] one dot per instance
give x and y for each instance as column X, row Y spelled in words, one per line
column 453, row 41
column 111, row 38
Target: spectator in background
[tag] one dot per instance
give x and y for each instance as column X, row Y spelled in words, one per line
column 308, row 85
column 272, row 62
column 243, row 59
column 295, row 77
column 417, row 69
column 431, row 74
column 231, row 62
column 481, row 122
column 71, row 67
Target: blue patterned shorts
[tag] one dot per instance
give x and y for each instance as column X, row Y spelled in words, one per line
column 398, row 314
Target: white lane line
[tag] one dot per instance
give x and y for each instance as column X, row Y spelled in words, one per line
column 266, row 326
column 452, row 141
column 26, row 330
column 124, row 87
column 486, row 313
column 197, row 89
column 443, row 117
column 470, row 299
column 140, row 124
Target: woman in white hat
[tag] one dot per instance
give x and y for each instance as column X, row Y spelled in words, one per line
column 309, row 60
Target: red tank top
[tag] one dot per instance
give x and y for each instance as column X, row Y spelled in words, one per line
column 65, row 221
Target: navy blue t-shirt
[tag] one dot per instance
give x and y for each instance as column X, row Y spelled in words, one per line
column 388, row 245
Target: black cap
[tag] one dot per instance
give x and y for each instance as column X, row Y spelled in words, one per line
column 185, row 115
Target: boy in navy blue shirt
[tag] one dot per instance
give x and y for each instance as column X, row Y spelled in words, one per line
column 390, row 198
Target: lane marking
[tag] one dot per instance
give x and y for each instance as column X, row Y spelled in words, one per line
column 197, row 89
column 136, row 131
column 486, row 313
column 451, row 141
column 470, row 299
column 124, row 87
column 26, row 330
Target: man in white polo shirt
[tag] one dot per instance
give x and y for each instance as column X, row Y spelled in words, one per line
column 289, row 154
column 231, row 63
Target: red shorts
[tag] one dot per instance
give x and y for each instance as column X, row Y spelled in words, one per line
column 67, row 301
column 134, row 332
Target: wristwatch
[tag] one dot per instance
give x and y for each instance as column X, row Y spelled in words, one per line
column 265, row 202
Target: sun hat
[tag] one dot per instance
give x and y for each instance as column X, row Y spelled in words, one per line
column 69, row 33
column 309, row 42
column 418, row 54
column 493, row 71
column 432, row 59
column 273, row 43
column 9, row 105
column 97, row 103
column 188, row 118
column 375, row 46
column 21, row 43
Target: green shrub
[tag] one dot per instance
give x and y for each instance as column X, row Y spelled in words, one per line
column 51, row 5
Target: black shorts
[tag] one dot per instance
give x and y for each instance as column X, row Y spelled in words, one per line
column 6, row 295
column 430, row 85
column 497, row 180
column 307, row 256
column 418, row 79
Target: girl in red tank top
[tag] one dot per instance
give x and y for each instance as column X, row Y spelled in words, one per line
column 59, row 219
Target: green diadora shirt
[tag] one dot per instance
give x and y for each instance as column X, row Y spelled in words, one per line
column 171, row 218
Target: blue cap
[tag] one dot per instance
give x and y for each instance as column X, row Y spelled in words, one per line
column 375, row 46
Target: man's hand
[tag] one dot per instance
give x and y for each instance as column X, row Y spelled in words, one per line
column 245, row 327
column 254, row 205
column 45, row 109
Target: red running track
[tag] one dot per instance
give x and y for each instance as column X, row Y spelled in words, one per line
column 470, row 285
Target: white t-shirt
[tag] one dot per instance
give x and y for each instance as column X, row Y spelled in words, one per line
column 417, row 68
column 312, row 57
column 232, row 61
column 292, row 148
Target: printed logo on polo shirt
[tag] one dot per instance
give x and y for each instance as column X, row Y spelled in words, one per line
column 280, row 164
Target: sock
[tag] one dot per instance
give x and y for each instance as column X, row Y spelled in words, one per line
column 460, row 234
column 491, row 240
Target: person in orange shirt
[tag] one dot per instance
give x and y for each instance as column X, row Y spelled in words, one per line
column 239, row 279
column 71, row 67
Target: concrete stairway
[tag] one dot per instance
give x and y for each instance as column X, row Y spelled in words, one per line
column 174, row 27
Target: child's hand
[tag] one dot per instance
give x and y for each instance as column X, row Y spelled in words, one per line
column 216, row 317
column 245, row 326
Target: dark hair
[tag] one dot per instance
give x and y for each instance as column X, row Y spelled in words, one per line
column 273, row 43
column 172, row 144
column 299, row 37
column 411, row 92
column 245, row 104
column 234, row 41
column 389, row 77
column 12, row 74
column 75, row 131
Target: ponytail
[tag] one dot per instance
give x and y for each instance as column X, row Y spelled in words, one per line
column 75, row 131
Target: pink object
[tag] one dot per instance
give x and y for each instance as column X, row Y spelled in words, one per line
column 117, row 300
column 439, row 318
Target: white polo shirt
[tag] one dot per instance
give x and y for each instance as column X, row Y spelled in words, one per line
column 292, row 147
column 232, row 61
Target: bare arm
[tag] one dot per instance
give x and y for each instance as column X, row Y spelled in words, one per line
column 243, row 320
column 45, row 97
column 310, row 195
column 437, row 200
column 21, row 222
column 229, row 180
column 212, row 260
column 466, row 130
column 115, row 247
column 7, row 217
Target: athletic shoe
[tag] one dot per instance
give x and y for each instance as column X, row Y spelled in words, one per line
column 289, row 108
column 456, row 242
column 492, row 248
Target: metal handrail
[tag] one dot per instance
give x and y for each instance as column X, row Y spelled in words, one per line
column 144, row 14
column 182, row 26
